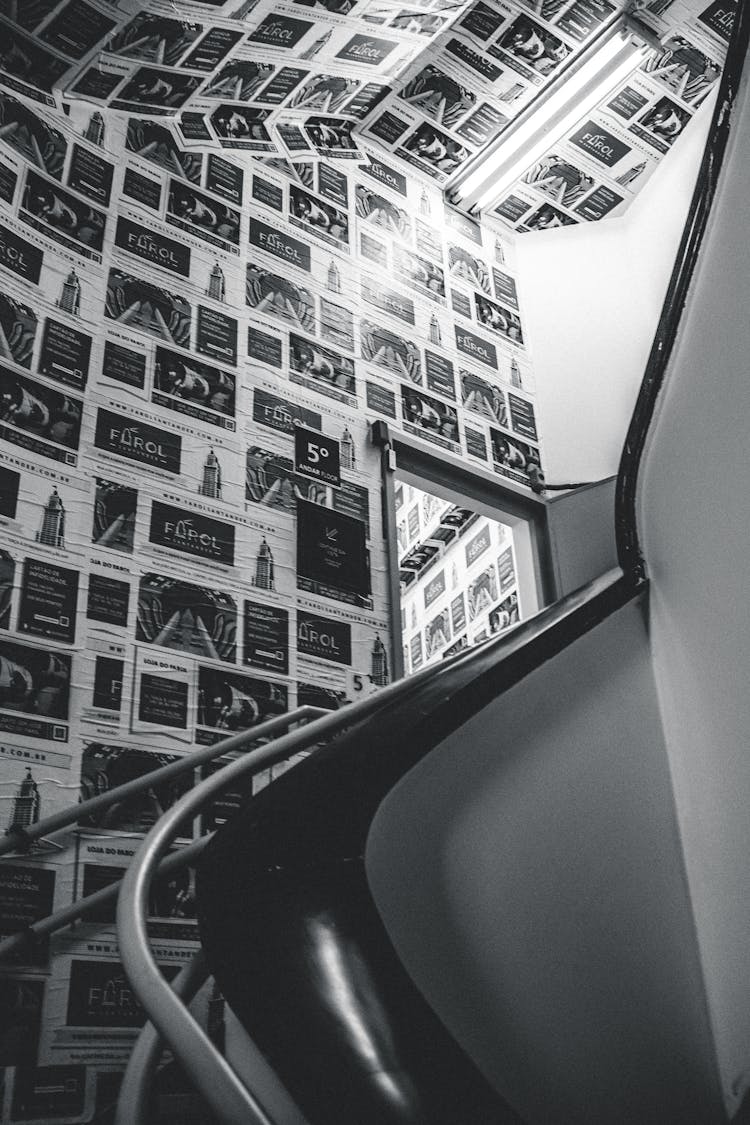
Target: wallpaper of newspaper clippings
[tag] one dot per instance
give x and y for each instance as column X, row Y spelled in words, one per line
column 178, row 302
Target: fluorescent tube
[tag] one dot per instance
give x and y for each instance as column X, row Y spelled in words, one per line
column 545, row 125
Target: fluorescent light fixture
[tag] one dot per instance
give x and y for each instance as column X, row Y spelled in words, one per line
column 574, row 96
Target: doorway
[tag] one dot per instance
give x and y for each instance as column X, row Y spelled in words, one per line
column 458, row 576
column 468, row 556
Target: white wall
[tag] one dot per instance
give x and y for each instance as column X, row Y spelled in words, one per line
column 582, row 534
column 592, row 296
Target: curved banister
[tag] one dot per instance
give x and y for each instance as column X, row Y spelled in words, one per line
column 133, row 1102
column 308, row 831
column 435, row 700
column 218, row 1083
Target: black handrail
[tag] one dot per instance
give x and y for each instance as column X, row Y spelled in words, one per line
column 391, row 710
column 626, row 527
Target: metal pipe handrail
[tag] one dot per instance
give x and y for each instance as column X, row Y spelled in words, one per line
column 132, row 1102
column 217, row 1082
column 226, row 1094
column 35, row 931
column 73, row 911
column 18, row 837
column 68, row 914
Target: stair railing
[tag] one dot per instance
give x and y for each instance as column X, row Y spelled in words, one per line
column 224, row 1092
column 19, row 837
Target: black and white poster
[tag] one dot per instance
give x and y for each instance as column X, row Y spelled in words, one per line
column 33, row 681
column 105, row 767
column 49, row 597
column 50, row 209
column 331, row 550
column 231, row 701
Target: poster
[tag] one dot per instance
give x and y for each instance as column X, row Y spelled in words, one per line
column 331, row 550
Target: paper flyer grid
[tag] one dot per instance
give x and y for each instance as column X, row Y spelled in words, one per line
column 455, row 591
column 596, row 169
column 444, row 111
column 218, row 226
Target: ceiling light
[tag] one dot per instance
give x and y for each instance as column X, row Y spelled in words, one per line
column 577, row 92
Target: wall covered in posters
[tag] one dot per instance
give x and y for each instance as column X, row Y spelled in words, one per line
column 458, row 577
column 222, row 227
column 195, row 333
column 484, row 70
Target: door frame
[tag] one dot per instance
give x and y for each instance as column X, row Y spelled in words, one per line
column 498, row 499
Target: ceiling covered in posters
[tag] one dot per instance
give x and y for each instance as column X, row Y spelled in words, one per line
column 430, row 84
